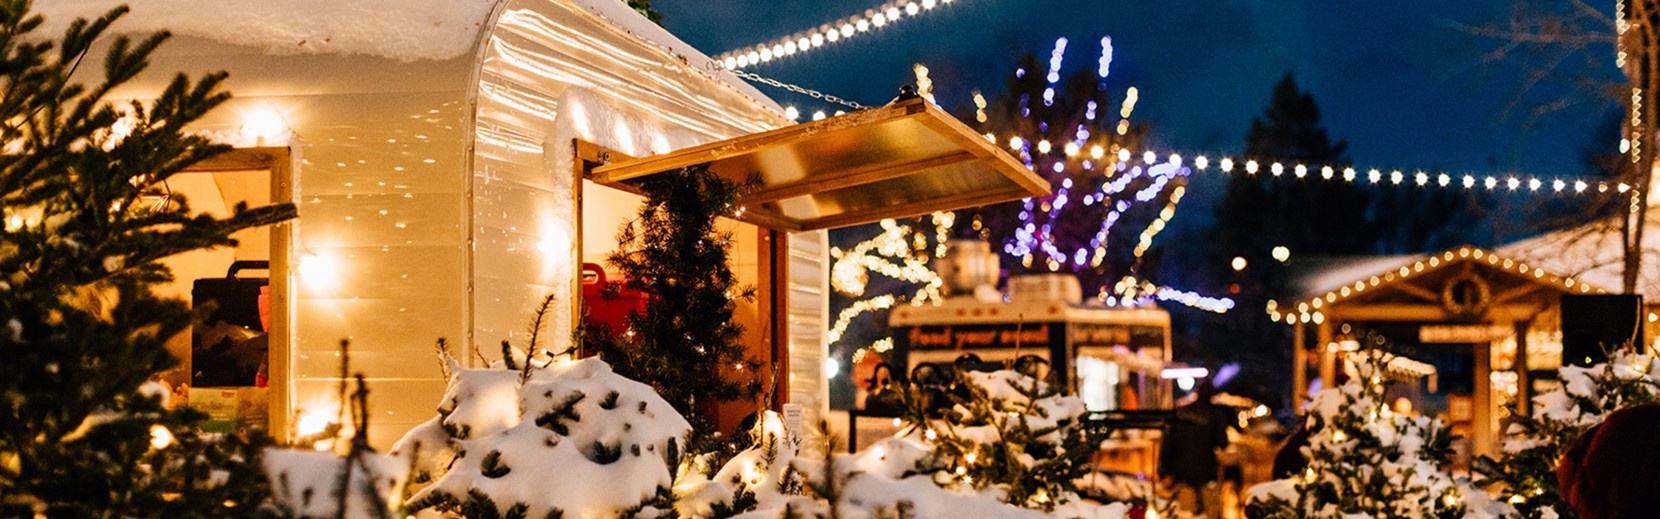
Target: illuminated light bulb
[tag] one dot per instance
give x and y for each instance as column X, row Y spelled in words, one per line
column 1396, row 176
column 911, row 9
column 1071, row 149
column 1443, row 180
column 1097, row 152
column 990, row 137
column 1201, row 162
column 1015, row 142
column 1373, row 175
column 1227, row 164
column 1469, row 181
column 1513, row 183
column 1276, row 169
column 1043, row 146
column 1281, row 253
column 1533, row 184
column 819, row 115
column 730, row 62
column 879, row 20
column 1420, row 178
column 861, row 25
column 1624, row 187
column 1349, row 174
column 1251, row 167
column 1490, row 182
column 1579, row 186
column 1239, row 263
column 1557, row 185
column 1301, row 171
column 791, row 113
column 160, row 437
column 1123, row 155
column 1326, row 172
column 264, row 125
column 930, row 435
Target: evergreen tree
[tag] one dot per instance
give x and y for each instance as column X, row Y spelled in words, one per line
column 1089, row 225
column 685, row 344
column 1525, row 472
column 644, row 8
column 80, row 432
column 1260, row 212
column 1366, row 461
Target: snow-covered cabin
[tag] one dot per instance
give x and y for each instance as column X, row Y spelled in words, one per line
column 436, row 151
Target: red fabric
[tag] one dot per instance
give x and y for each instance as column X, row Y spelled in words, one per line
column 1613, row 470
column 605, row 309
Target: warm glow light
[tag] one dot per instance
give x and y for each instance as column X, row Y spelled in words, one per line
column 160, row 437
column 1281, row 254
column 1238, row 263
column 264, row 126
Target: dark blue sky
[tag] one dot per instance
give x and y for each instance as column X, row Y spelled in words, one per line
column 1406, row 84
column 1398, row 80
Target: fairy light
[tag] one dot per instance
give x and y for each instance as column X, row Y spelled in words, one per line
column 924, row 85
column 1308, row 310
column 845, row 28
column 1511, row 184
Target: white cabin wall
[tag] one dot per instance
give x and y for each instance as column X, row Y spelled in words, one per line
column 808, row 311
column 553, row 71
column 382, row 196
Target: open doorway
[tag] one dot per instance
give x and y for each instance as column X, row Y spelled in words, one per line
column 234, row 364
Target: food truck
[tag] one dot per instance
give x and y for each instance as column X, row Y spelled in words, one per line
column 454, row 162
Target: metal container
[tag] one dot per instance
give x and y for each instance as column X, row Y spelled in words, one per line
column 967, row 265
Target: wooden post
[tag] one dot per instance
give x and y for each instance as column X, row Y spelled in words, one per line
column 1299, row 367
column 1481, row 427
column 1524, row 385
column 774, row 308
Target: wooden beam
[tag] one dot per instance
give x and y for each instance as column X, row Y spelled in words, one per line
column 1416, row 291
column 1516, row 293
column 832, row 180
column 749, row 144
column 977, row 144
column 1393, row 312
column 242, row 159
column 924, row 207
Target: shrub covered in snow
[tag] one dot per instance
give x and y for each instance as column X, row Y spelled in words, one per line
column 1011, row 448
column 1364, row 461
column 564, row 437
column 1525, row 472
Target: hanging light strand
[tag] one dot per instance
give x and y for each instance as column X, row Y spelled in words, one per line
column 832, row 32
column 1512, row 183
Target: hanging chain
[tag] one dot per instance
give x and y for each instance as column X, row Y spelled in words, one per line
column 715, row 65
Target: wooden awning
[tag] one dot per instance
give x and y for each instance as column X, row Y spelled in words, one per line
column 903, row 159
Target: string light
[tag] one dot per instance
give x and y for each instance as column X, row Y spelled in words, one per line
column 806, row 40
column 1520, row 184
column 1308, row 311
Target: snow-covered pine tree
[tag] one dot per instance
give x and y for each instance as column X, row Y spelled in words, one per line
column 1365, row 461
column 81, row 329
column 1013, row 433
column 686, row 344
column 1525, row 472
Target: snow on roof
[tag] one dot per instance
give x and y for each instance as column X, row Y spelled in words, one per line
column 1312, row 277
column 404, row 30
column 1334, row 280
column 1593, row 254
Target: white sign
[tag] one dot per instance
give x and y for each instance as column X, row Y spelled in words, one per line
column 794, row 416
column 1463, row 333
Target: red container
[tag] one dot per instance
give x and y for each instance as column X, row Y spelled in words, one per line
column 606, row 301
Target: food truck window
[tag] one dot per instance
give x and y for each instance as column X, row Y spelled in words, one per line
column 226, row 362
column 1098, row 383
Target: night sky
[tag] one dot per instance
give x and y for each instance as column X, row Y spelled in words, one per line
column 1400, row 81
